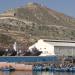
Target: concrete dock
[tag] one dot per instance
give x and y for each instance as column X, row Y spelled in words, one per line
column 17, row 66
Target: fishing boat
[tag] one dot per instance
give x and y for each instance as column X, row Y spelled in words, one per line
column 7, row 69
column 72, row 69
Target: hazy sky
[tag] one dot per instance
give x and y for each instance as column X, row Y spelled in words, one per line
column 64, row 6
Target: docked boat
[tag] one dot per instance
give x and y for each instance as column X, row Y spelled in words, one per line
column 8, row 69
column 59, row 69
column 72, row 69
column 66, row 69
column 37, row 68
column 54, row 69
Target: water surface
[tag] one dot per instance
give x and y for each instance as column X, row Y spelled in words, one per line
column 35, row 73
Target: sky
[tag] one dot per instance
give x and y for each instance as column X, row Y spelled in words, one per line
column 65, row 6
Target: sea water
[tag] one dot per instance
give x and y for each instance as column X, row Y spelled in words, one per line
column 35, row 73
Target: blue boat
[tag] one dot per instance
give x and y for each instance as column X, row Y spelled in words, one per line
column 7, row 69
column 71, row 69
column 66, row 69
column 38, row 68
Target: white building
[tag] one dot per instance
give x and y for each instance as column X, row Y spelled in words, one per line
column 55, row 47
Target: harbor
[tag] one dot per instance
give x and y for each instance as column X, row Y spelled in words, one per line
column 37, row 37
column 35, row 63
column 44, row 55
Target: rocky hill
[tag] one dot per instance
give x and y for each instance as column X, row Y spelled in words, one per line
column 33, row 21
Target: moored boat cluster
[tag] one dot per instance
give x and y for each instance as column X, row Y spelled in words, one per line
column 53, row 68
column 36, row 67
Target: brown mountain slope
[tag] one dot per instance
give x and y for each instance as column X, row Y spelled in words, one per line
column 33, row 21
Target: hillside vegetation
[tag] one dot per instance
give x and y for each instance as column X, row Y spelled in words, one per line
column 29, row 23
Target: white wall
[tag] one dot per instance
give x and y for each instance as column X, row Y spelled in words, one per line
column 64, row 50
column 46, row 48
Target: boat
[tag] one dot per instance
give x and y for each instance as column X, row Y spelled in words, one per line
column 7, row 69
column 37, row 68
column 72, row 69
column 66, row 69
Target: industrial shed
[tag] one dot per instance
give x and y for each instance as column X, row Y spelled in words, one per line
column 55, row 47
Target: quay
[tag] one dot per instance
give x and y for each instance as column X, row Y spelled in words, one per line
column 29, row 59
column 50, row 55
column 6, row 66
column 25, row 62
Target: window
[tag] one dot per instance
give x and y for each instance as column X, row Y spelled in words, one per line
column 40, row 48
column 45, row 52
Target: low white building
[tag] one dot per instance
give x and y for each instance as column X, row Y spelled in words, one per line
column 55, row 47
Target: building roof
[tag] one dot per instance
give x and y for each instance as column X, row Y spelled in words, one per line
column 60, row 42
column 67, row 41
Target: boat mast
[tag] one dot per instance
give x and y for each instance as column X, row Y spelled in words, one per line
column 14, row 46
